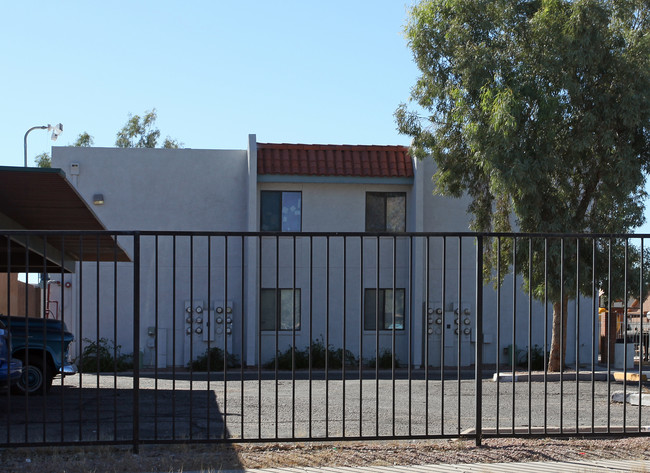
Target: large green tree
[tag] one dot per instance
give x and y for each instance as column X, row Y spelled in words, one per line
column 538, row 110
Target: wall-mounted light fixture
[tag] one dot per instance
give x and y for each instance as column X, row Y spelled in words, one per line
column 98, row 199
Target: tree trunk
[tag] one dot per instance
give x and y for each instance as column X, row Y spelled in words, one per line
column 558, row 352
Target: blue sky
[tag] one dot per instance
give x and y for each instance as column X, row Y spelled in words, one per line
column 289, row 71
column 296, row 71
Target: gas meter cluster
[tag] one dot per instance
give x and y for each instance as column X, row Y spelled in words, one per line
column 455, row 321
column 451, row 326
column 208, row 320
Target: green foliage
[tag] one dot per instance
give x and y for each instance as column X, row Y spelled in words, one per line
column 141, row 132
column 385, row 360
column 43, row 160
column 84, row 140
column 539, row 111
column 171, row 143
column 521, row 357
column 335, row 356
column 212, row 360
column 103, row 356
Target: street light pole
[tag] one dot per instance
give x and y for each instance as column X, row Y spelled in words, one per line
column 56, row 131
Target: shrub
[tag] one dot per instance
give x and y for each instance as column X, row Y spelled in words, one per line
column 336, row 357
column 103, row 356
column 521, row 357
column 385, row 360
column 215, row 357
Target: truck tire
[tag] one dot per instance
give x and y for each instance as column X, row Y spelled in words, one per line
column 36, row 379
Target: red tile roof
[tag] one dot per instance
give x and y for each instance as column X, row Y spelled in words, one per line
column 334, row 160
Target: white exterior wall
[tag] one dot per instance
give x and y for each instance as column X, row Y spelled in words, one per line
column 204, row 190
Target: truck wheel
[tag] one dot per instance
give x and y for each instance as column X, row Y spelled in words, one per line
column 35, row 379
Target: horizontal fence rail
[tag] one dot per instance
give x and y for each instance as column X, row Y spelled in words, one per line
column 173, row 337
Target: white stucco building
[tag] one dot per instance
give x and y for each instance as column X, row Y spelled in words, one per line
column 280, row 288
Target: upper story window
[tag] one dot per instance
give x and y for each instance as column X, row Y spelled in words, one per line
column 385, row 211
column 281, row 211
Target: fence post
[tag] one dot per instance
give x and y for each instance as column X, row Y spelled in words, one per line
column 136, row 342
column 479, row 341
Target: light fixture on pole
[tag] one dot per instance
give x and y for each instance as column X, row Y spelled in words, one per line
column 55, row 129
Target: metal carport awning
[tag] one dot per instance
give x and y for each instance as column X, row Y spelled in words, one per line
column 42, row 199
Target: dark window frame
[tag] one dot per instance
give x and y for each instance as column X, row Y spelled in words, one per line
column 371, row 317
column 370, row 226
column 276, row 318
column 281, row 197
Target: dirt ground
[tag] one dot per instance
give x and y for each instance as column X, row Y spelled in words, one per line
column 210, row 458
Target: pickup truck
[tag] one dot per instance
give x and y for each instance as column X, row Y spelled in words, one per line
column 42, row 345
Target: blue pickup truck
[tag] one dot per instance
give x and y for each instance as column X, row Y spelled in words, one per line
column 42, row 346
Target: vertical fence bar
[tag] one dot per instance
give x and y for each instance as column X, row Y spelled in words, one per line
column 410, row 330
column 609, row 335
column 562, row 353
column 9, row 329
column 27, row 338
column 81, row 351
column 9, row 409
column 327, row 335
column 156, row 324
column 498, row 354
column 513, row 348
column 210, row 336
column 174, row 337
column 43, row 301
column 478, row 357
column 596, row 314
column 115, row 334
column 530, row 333
column 278, row 318
column 362, row 316
column 311, row 327
column 377, row 260
column 244, row 307
column 293, row 343
column 62, row 312
column 97, row 341
column 392, row 350
column 259, row 338
column 425, row 322
column 136, row 342
column 577, row 338
column 225, row 336
column 442, row 343
column 459, row 312
column 642, row 346
column 624, row 333
column 546, row 336
column 191, row 315
column 192, row 318
column 345, row 313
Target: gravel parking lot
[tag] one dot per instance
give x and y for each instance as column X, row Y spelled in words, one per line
column 101, row 408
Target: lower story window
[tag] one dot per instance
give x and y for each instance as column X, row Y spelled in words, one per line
column 287, row 302
column 378, row 307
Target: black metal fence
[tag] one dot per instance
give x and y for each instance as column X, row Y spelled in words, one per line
column 248, row 337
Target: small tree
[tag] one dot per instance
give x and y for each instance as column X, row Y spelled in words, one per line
column 539, row 110
column 43, row 160
column 141, row 132
column 84, row 140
